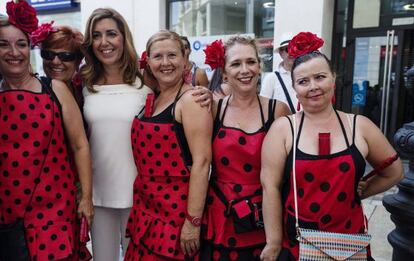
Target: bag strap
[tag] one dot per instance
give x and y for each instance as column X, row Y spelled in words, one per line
column 289, row 100
column 226, row 202
column 294, row 175
column 47, row 85
column 295, row 187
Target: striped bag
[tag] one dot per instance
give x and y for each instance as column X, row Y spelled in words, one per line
column 316, row 245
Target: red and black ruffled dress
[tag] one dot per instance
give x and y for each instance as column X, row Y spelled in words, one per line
column 158, row 213
column 236, row 173
column 327, row 192
column 33, row 149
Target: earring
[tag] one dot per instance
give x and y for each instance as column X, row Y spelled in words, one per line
column 333, row 100
column 298, row 106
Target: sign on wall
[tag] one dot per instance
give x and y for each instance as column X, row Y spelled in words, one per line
column 41, row 5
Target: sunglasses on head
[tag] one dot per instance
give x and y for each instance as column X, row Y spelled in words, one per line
column 63, row 56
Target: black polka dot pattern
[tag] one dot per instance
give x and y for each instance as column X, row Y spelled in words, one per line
column 160, row 192
column 50, row 220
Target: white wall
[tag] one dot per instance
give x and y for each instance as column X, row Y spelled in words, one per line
column 295, row 16
column 143, row 17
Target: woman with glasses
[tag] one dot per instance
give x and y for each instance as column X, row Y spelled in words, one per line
column 61, row 56
column 198, row 75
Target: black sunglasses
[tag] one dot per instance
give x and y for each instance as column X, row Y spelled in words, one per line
column 63, row 56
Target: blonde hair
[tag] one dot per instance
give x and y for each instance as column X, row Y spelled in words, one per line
column 92, row 71
column 162, row 35
column 245, row 40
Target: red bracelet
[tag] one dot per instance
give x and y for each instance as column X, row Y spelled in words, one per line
column 387, row 162
column 196, row 221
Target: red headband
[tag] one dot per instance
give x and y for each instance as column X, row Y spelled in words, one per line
column 215, row 54
column 304, row 43
column 41, row 33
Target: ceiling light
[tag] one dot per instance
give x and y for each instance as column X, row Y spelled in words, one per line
column 269, row 5
column 408, row 7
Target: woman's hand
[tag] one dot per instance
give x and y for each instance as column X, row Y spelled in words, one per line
column 190, row 238
column 203, row 96
column 85, row 209
column 270, row 252
column 362, row 185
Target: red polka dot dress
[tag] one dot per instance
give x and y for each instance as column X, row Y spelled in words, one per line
column 236, row 172
column 32, row 142
column 327, row 196
column 162, row 158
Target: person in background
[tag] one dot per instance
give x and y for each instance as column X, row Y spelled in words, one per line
column 61, row 55
column 198, row 75
column 328, row 171
column 219, row 86
column 278, row 85
column 241, row 122
column 113, row 95
column 40, row 120
column 171, row 143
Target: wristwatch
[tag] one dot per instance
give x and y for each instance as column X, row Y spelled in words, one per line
column 196, row 221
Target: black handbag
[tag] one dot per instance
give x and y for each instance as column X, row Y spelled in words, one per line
column 246, row 212
column 13, row 245
column 13, row 242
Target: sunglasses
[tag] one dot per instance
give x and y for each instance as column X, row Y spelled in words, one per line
column 63, row 56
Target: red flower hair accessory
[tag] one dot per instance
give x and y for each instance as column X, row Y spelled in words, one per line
column 143, row 60
column 41, row 33
column 22, row 15
column 304, row 43
column 215, row 54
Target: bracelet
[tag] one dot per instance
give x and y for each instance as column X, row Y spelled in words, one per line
column 196, row 221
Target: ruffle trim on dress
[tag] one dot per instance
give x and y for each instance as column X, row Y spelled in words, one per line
column 158, row 236
column 55, row 242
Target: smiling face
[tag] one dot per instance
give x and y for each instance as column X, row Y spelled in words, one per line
column 14, row 51
column 166, row 62
column 314, row 84
column 58, row 69
column 242, row 67
column 108, row 42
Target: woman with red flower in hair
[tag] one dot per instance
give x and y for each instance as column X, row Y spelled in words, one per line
column 312, row 174
column 39, row 121
column 233, row 225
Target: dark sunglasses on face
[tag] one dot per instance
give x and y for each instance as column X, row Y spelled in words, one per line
column 63, row 56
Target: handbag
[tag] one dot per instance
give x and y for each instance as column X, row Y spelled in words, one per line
column 246, row 212
column 317, row 245
column 13, row 242
column 13, row 245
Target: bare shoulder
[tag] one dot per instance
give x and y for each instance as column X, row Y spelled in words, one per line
column 60, row 89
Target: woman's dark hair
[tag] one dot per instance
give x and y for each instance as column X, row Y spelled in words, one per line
column 309, row 56
column 185, row 39
column 216, row 80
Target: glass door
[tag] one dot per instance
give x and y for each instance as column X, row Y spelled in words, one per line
column 374, row 77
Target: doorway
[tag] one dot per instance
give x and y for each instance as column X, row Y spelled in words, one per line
column 382, row 82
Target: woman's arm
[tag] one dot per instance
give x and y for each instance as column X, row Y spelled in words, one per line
column 378, row 150
column 274, row 154
column 198, row 125
column 281, row 109
column 73, row 124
